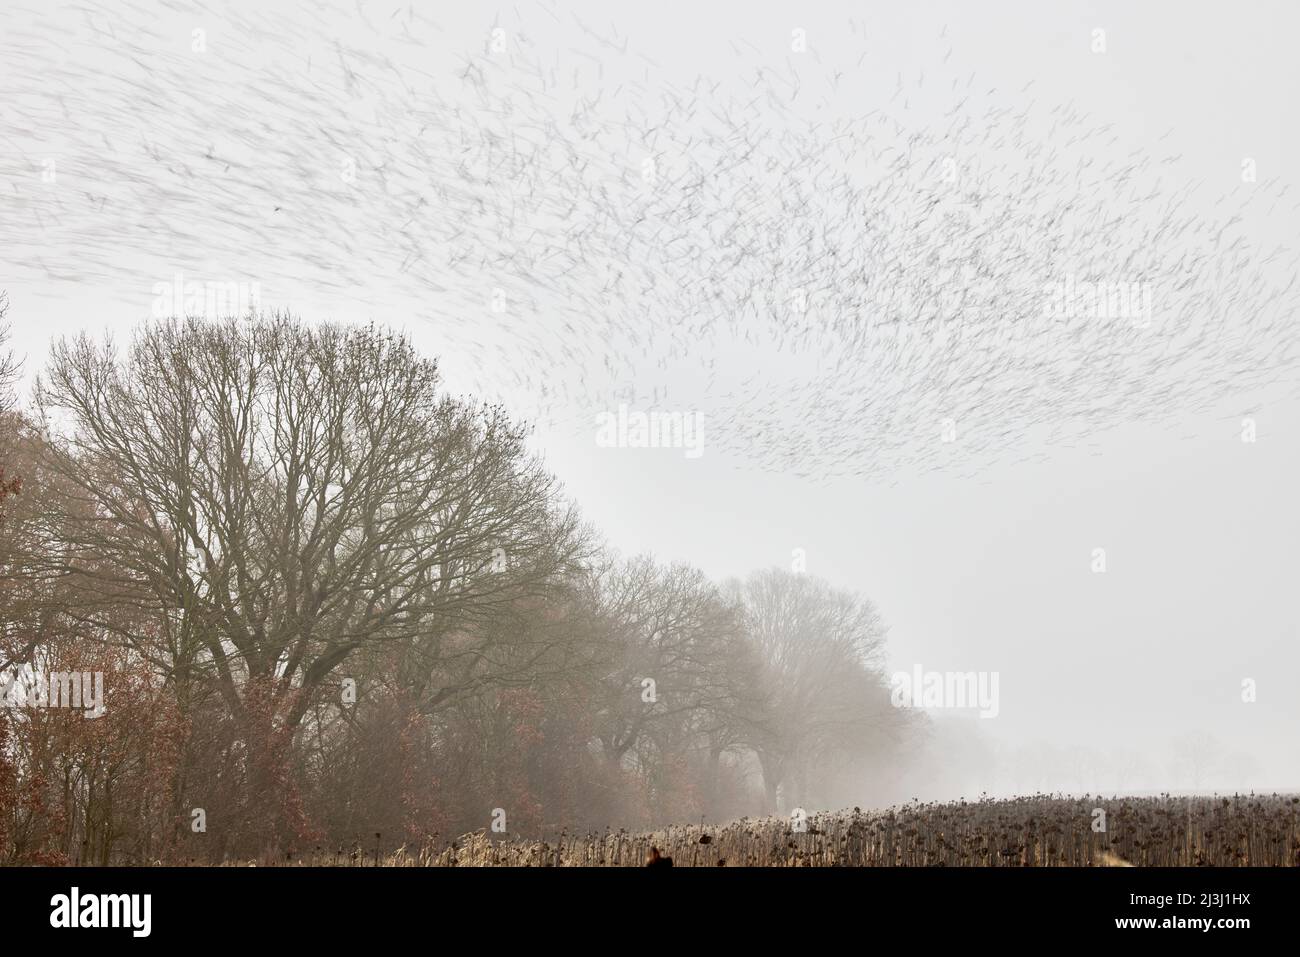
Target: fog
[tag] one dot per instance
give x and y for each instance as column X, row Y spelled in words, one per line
column 817, row 242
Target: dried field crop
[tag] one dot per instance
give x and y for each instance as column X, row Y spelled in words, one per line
column 1035, row 831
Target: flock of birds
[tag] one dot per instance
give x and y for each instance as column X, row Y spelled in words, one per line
column 832, row 288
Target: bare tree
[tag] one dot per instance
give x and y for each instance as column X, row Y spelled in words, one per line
column 11, row 552
column 677, row 661
column 1197, row 756
column 10, row 366
column 282, row 496
column 825, row 695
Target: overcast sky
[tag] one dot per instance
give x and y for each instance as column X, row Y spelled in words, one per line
column 983, row 566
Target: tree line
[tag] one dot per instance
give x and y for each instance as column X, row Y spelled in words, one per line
column 335, row 607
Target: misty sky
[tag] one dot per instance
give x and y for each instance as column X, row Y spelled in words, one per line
column 985, row 568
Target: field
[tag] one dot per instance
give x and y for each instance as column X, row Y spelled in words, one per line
column 1037, row 831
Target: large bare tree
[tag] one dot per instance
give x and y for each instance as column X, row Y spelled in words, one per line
column 283, row 496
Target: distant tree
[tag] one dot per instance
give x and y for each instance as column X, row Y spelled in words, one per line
column 1198, row 756
column 1084, row 767
column 825, row 697
column 1129, row 769
column 680, row 676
